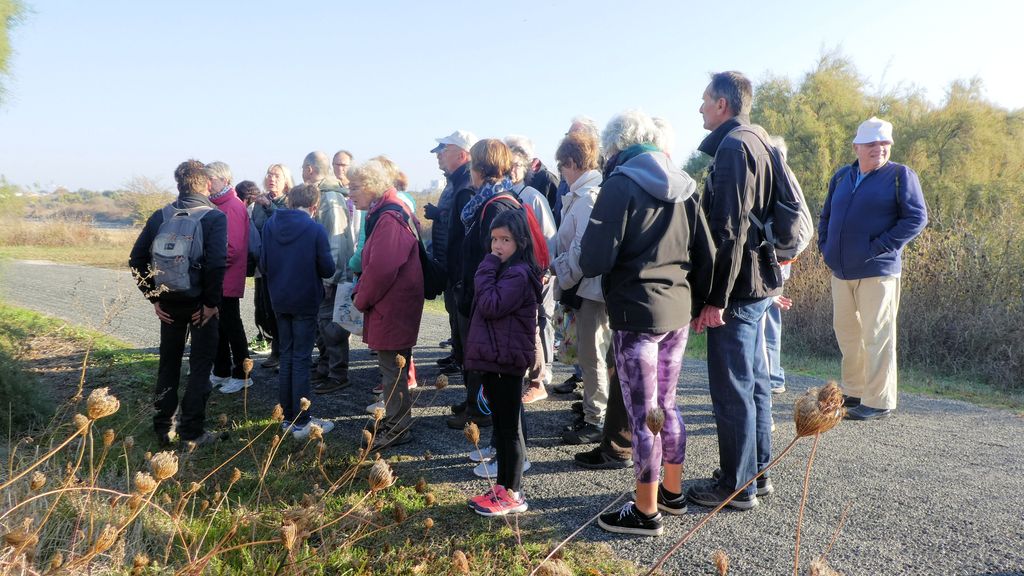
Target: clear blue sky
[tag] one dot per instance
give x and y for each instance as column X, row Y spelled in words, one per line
column 102, row 91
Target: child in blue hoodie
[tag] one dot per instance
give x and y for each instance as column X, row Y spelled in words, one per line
column 294, row 260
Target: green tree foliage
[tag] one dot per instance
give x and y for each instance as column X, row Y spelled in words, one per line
column 11, row 12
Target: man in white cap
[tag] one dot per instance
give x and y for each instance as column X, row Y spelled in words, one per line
column 873, row 209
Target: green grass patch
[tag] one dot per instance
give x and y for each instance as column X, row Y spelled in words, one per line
column 112, row 257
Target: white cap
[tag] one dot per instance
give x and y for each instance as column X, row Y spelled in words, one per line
column 873, row 130
column 460, row 138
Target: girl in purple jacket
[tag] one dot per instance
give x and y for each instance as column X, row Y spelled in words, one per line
column 500, row 345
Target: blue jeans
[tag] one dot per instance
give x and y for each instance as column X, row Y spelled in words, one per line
column 773, row 342
column 741, row 393
column 296, row 333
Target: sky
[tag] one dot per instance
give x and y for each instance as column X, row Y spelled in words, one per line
column 102, row 91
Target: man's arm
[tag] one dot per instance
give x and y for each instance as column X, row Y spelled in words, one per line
column 600, row 244
column 728, row 221
column 911, row 214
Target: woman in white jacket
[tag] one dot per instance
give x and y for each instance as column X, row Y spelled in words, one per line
column 577, row 158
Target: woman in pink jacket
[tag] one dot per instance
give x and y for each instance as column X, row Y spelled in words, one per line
column 389, row 292
column 233, row 346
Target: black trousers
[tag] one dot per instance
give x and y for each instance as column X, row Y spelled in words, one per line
column 471, row 378
column 505, row 399
column 617, row 439
column 192, row 416
column 232, row 346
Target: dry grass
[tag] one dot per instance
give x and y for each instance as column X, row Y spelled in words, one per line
column 67, row 241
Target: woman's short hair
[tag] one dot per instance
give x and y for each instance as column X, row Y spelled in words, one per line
column 304, row 196
column 520, row 146
column 286, row 175
column 578, row 149
column 374, row 176
column 627, row 129
column 247, row 189
column 666, row 139
column 399, row 179
column 491, row 158
column 219, row 170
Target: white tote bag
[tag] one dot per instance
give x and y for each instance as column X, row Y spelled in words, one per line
column 345, row 312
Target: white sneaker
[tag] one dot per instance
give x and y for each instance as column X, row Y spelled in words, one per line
column 490, row 469
column 235, row 385
column 483, row 455
column 302, row 432
column 373, row 407
column 218, row 381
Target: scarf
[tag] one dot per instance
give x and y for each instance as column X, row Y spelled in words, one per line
column 622, row 156
column 221, row 193
column 486, row 192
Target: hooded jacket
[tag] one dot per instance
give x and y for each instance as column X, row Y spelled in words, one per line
column 462, row 191
column 641, row 239
column 503, row 327
column 576, row 208
column 334, row 214
column 294, row 260
column 215, row 245
column 238, row 242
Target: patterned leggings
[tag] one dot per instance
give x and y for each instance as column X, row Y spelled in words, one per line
column 648, row 367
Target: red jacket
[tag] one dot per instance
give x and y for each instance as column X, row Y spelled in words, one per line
column 390, row 289
column 238, row 242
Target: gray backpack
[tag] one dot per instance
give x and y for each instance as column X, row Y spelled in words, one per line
column 177, row 251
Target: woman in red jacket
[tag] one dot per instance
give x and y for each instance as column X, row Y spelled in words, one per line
column 389, row 292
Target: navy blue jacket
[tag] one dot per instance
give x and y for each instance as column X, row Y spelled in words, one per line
column 863, row 229
column 295, row 260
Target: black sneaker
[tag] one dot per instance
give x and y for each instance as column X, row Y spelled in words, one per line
column 862, row 412
column 764, row 484
column 568, row 385
column 598, row 459
column 577, row 423
column 576, row 407
column 459, row 421
column 588, row 434
column 850, row 401
column 446, row 360
column 458, row 408
column 453, row 368
column 710, row 494
column 629, row 520
column 332, row 384
column 674, row 506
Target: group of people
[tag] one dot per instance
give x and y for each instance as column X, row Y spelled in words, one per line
column 621, row 241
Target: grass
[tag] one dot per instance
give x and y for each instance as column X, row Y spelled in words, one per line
column 64, row 241
column 224, row 524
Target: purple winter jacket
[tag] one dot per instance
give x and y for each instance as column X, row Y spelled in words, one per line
column 504, row 322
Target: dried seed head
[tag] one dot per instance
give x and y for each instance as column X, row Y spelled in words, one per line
column 277, row 415
column 378, row 414
column 380, row 476
column 165, row 499
column 37, row 481
column 421, row 485
column 399, row 513
column 400, row 361
column 321, row 447
column 430, row 499
column 655, row 420
column 316, row 432
column 275, row 441
column 81, row 422
column 56, row 561
column 164, row 465
column 144, row 483
column 554, row 568
column 134, row 501
column 428, row 523
column 129, row 442
column 194, row 487
column 818, row 411
column 139, row 564
column 247, row 366
column 304, row 404
column 222, row 420
column 204, row 505
column 441, row 382
column 101, row 404
column 236, row 475
column 105, row 540
column 460, row 563
column 108, row 438
column 820, row 567
column 472, row 432
column 289, row 534
column 21, row 538
column 367, row 438
column 721, row 560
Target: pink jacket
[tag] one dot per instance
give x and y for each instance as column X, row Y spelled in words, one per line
column 238, row 242
column 390, row 290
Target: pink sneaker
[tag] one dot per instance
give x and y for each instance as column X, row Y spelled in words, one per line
column 503, row 502
column 482, row 497
column 534, row 394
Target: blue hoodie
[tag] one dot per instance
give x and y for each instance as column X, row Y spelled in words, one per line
column 295, row 259
column 863, row 228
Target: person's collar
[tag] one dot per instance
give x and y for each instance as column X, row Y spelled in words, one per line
column 713, row 140
column 223, row 192
column 588, row 179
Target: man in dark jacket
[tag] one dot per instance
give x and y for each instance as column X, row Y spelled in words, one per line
column 741, row 292
column 182, row 314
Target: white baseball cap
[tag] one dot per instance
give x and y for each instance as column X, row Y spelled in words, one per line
column 460, row 138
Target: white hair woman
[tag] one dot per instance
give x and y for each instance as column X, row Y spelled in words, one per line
column 389, row 292
column 277, row 183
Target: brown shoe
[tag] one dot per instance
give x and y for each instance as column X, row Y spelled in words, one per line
column 534, row 394
column 332, row 384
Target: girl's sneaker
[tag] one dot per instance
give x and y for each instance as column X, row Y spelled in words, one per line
column 629, row 520
column 502, row 502
column 235, row 385
column 472, row 502
column 302, row 432
column 482, row 455
column 489, row 469
column 218, row 381
column 373, row 407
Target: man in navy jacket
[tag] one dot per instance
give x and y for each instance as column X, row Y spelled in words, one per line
column 873, row 209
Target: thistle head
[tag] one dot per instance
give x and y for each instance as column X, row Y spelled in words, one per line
column 304, row 404
column 101, row 404
column 37, row 481
column 818, row 411
column 460, row 564
column 472, row 432
column 108, row 438
column 441, row 382
column 380, row 476
column 277, row 415
column 144, row 483
column 655, row 420
column 247, row 366
column 164, row 465
column 721, row 560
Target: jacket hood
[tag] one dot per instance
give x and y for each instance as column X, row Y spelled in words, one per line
column 655, row 174
column 289, row 225
column 332, row 184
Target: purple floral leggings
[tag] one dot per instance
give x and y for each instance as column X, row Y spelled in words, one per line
column 648, row 367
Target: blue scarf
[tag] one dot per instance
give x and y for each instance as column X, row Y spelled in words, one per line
column 486, row 192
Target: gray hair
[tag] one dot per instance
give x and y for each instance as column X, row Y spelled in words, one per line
column 520, row 146
column 666, row 139
column 627, row 129
column 585, row 124
column 319, row 162
column 218, row 170
column 373, row 176
column 735, row 88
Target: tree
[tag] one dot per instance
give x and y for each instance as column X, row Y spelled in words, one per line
column 145, row 196
column 11, row 13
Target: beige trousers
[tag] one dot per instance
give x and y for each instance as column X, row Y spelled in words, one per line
column 593, row 339
column 864, row 318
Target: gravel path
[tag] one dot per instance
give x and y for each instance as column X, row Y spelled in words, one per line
column 932, row 490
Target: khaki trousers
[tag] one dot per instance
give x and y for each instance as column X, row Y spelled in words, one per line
column 864, row 318
column 594, row 338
